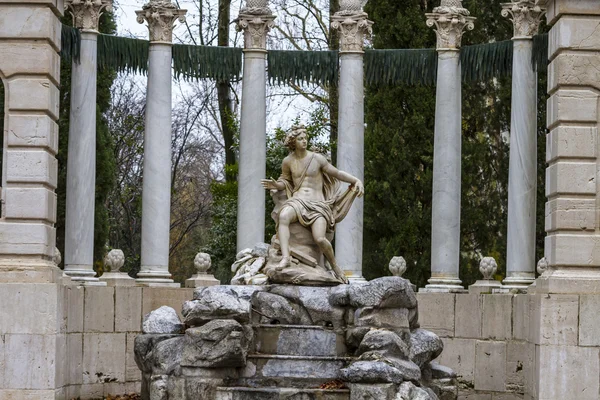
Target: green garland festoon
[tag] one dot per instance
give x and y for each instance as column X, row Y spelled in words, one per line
column 317, row 67
column 482, row 62
column 539, row 53
column 70, row 43
column 196, row 62
column 123, row 54
column 400, row 67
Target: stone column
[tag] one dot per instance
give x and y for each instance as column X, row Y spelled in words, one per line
column 449, row 20
column 81, row 163
column 255, row 21
column 156, row 190
column 353, row 25
column 522, row 180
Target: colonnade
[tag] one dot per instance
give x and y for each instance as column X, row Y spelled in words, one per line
column 449, row 20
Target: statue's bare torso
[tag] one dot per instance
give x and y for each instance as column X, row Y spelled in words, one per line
column 311, row 186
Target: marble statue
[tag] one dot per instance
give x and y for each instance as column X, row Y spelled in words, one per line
column 308, row 204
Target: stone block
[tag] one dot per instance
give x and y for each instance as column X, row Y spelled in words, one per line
column 23, row 394
column 519, row 357
column 34, row 58
column 155, row 297
column 459, row 354
column 120, row 388
column 31, row 239
column 104, row 357
column 570, row 214
column 31, row 167
column 29, row 308
column 506, row 396
column 559, row 316
column 32, row 131
column 33, row 22
column 469, row 395
column 436, row 312
column 521, row 317
column 589, row 320
column 573, row 250
column 30, row 361
column 2, row 361
column 571, row 178
column 574, row 33
column 490, row 366
column 574, row 69
column 30, row 203
column 567, row 372
column 99, row 309
column 497, row 316
column 132, row 372
column 468, row 316
column 74, row 374
column 61, row 362
column 385, row 391
column 33, row 94
column 91, row 391
column 572, row 106
column 571, row 142
column 560, row 8
column 74, row 299
column 128, row 309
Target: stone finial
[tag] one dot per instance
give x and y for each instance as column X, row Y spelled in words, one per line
column 57, row 256
column 348, row 7
column 256, row 7
column 86, row 13
column 397, row 266
column 114, row 260
column 353, row 28
column 161, row 16
column 202, row 263
column 255, row 28
column 450, row 20
column 488, row 267
column 542, row 265
column 526, row 16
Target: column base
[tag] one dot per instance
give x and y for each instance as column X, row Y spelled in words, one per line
column 117, row 279
column 155, row 283
column 443, row 285
column 569, row 281
column 201, row 280
column 82, row 275
column 519, row 281
column 484, row 286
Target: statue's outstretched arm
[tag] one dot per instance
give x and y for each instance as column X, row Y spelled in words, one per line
column 344, row 177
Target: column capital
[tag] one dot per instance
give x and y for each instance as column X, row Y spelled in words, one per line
column 353, row 26
column 450, row 20
column 255, row 28
column 525, row 15
column 86, row 13
column 161, row 16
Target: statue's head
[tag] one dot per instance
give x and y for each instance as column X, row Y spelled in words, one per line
column 294, row 132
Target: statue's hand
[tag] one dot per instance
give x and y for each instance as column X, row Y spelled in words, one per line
column 358, row 187
column 269, row 184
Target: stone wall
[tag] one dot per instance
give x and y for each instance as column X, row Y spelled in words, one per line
column 101, row 325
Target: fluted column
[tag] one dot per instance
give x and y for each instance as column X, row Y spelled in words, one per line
column 449, row 21
column 353, row 25
column 156, row 190
column 522, row 175
column 81, row 163
column 255, row 21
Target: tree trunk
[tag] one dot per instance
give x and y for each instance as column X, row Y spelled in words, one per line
column 224, row 95
column 334, row 44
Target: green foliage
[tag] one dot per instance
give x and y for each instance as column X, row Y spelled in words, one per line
column 483, row 62
column 123, row 54
column 214, row 62
column 296, row 67
column 398, row 67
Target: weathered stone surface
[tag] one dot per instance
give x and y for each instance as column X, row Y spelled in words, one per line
column 316, row 302
column 166, row 355
column 389, row 318
column 386, row 343
column 260, row 250
column 219, row 343
column 425, row 346
column 162, row 320
column 354, row 336
column 408, row 391
column 380, row 372
column 218, row 302
column 382, row 391
column 143, row 347
column 387, row 292
column 278, row 309
column 299, row 341
column 158, row 387
column 441, row 372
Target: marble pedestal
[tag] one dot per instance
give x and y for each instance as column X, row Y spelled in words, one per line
column 117, row 279
column 201, row 280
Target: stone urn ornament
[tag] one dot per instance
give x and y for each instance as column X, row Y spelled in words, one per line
column 488, row 267
column 202, row 263
column 352, row 6
column 259, row 7
column 397, row 266
column 114, row 260
column 542, row 265
column 57, row 257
